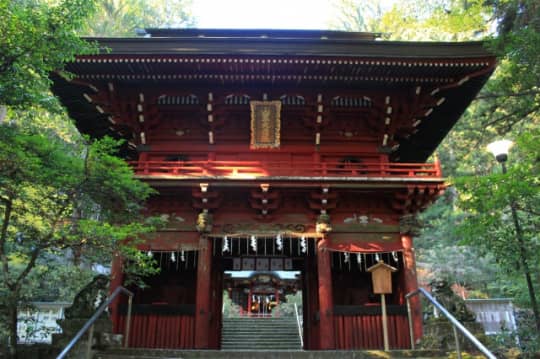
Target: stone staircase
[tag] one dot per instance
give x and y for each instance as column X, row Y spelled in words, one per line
column 251, row 333
column 269, row 354
column 264, row 338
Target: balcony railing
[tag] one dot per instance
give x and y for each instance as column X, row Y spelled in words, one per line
column 256, row 169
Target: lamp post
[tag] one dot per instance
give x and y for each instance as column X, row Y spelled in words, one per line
column 500, row 151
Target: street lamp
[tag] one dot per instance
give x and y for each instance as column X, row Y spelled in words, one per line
column 500, row 151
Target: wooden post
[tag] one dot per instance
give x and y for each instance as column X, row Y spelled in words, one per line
column 437, row 164
column 384, row 323
column 381, row 276
column 202, row 305
column 117, row 277
column 250, row 297
column 411, row 283
column 326, row 305
column 143, row 162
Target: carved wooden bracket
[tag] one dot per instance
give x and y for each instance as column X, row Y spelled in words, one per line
column 323, row 200
column 205, row 197
column 265, row 200
column 416, row 198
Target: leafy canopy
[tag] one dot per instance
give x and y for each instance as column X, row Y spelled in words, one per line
column 124, row 17
column 38, row 38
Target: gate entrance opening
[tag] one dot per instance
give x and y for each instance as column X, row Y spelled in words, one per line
column 268, row 276
column 262, row 293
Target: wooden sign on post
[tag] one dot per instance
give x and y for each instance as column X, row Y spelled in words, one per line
column 381, row 277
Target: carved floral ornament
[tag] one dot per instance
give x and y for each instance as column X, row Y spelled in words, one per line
column 205, row 222
column 323, row 224
column 409, row 224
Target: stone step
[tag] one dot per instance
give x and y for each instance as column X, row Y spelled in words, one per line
column 253, row 332
column 261, row 340
column 255, row 324
column 274, row 354
column 261, row 345
column 260, row 334
column 275, row 331
column 264, row 329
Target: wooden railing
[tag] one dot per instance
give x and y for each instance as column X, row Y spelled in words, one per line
column 255, row 169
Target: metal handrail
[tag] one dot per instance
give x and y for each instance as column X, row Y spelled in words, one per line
column 299, row 326
column 90, row 324
column 456, row 325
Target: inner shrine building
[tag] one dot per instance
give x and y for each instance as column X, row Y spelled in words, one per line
column 276, row 151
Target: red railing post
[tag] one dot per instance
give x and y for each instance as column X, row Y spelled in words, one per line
column 437, row 164
column 382, row 169
column 195, row 169
column 145, row 167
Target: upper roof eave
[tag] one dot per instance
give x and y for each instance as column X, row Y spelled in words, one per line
column 257, row 33
column 291, row 47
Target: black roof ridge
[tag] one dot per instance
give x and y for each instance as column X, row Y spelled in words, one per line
column 255, row 33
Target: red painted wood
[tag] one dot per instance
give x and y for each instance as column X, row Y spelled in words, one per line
column 117, row 277
column 203, row 305
column 355, row 243
column 160, row 331
column 284, row 168
column 216, row 304
column 310, row 298
column 326, row 326
column 411, row 283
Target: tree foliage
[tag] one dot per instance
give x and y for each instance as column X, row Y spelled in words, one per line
column 435, row 20
column 124, row 17
column 472, row 226
column 56, row 196
column 37, row 38
column 65, row 202
column 494, row 201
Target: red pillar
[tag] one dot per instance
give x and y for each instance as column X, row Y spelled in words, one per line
column 203, row 305
column 326, row 304
column 117, row 277
column 250, row 296
column 411, row 283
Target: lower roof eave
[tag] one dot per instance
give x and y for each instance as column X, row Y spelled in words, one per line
column 291, row 182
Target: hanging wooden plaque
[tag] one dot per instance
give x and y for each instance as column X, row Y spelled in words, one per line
column 381, row 276
column 265, row 124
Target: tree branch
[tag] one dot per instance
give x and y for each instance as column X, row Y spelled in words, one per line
column 3, row 239
column 511, row 114
column 26, row 271
column 516, row 94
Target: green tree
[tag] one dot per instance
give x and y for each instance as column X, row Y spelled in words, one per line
column 59, row 192
column 356, row 15
column 511, row 100
column 56, row 196
column 508, row 105
column 37, row 38
column 439, row 20
column 503, row 213
column 124, row 17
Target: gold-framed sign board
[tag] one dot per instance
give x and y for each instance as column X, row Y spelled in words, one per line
column 265, row 124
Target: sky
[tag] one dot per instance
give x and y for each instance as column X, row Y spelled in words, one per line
column 268, row 14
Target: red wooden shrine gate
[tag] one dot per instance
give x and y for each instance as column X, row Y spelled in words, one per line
column 317, row 138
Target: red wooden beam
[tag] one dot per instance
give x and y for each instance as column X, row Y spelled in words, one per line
column 411, row 283
column 326, row 303
column 203, row 305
